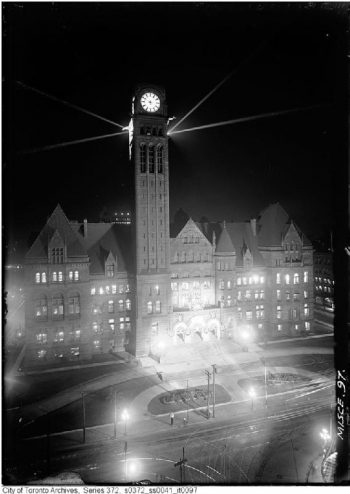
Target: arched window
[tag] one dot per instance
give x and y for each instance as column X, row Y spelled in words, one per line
column 151, row 158
column 158, row 306
column 58, row 307
column 43, row 277
column 110, row 306
column 121, row 304
column 160, row 159
column 128, row 304
column 76, row 275
column 74, row 305
column 143, row 158
column 54, row 276
column 149, row 307
column 57, row 255
column 37, row 277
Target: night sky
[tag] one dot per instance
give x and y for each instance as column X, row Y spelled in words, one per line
column 92, row 55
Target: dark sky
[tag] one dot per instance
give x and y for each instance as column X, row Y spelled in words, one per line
column 92, row 55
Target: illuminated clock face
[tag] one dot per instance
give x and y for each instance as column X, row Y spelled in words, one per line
column 150, row 102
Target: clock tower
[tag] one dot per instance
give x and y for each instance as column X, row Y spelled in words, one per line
column 149, row 155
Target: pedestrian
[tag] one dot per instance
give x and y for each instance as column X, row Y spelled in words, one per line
column 185, row 421
column 172, row 418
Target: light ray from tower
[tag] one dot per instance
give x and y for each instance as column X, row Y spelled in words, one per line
column 217, row 87
column 70, row 143
column 245, row 119
column 70, row 105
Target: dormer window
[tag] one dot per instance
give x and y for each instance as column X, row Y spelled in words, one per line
column 57, row 255
column 110, row 270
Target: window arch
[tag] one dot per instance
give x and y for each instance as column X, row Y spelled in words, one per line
column 128, row 304
column 142, row 158
column 151, row 158
column 160, row 159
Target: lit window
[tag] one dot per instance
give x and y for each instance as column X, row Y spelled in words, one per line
column 306, row 276
column 239, row 295
column 70, row 275
column 249, row 315
column 97, row 344
column 74, row 351
column 128, row 304
column 96, row 327
column 41, row 308
column 279, row 327
column 221, row 284
column 127, row 288
column 307, row 326
column 156, row 290
column 287, row 279
column 259, row 311
column 256, row 294
column 295, row 296
column 296, row 278
column 174, row 287
column 229, row 301
column 57, row 255
column 296, row 326
column 41, row 354
column 185, row 286
column 77, row 334
column 229, row 285
column 250, row 280
column 41, row 338
column 278, row 278
column 294, row 314
column 306, row 294
column 239, row 281
column 93, row 291
column 110, row 306
column 76, row 275
column 279, row 312
column 54, row 276
column 114, row 288
column 278, row 293
column 248, row 294
column 306, row 310
column 110, row 270
column 60, row 276
column 101, row 290
column 260, row 326
column 262, row 294
column 57, row 306
column 287, row 296
column 127, row 322
column 107, row 289
column 157, row 306
column 262, row 279
column 121, row 304
column 43, row 277
column 37, row 277
column 59, row 336
column 244, row 281
column 121, row 288
column 149, row 307
column 74, row 305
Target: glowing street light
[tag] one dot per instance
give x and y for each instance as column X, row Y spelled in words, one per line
column 125, row 417
column 252, row 394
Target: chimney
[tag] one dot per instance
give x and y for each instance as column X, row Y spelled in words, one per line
column 85, row 228
column 253, row 226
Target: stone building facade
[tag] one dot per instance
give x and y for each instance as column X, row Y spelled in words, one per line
column 94, row 288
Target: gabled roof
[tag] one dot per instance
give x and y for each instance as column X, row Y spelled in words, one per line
column 273, row 224
column 105, row 239
column 59, row 223
column 242, row 237
column 224, row 244
column 191, row 227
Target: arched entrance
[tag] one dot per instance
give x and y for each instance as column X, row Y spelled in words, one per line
column 197, row 327
column 180, row 330
column 213, row 329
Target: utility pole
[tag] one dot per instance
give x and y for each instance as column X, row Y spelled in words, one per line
column 48, row 444
column 187, row 400
column 264, row 362
column 126, row 468
column 208, row 393
column 214, row 372
column 295, row 463
column 181, row 463
column 83, row 406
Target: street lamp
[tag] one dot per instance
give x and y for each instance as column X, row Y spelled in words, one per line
column 326, row 438
column 252, row 394
column 125, row 417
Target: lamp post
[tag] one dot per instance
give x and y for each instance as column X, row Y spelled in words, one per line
column 208, row 394
column 125, row 417
column 252, row 394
